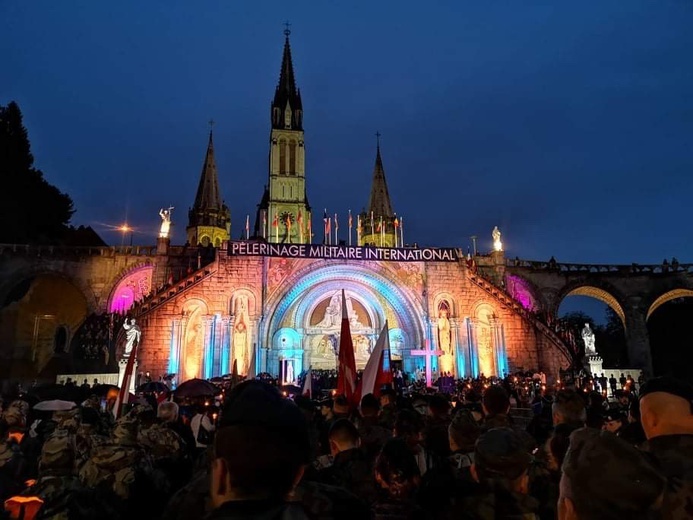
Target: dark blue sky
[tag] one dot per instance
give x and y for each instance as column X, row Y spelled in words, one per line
column 567, row 124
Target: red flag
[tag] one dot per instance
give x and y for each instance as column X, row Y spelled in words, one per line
column 346, row 371
column 308, row 384
column 351, row 221
column 396, row 222
column 336, row 224
column 329, row 226
column 300, row 217
column 275, row 222
column 377, row 372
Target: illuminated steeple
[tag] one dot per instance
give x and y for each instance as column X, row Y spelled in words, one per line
column 284, row 212
column 209, row 220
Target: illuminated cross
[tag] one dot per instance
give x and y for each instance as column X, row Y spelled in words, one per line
column 377, row 137
column 211, row 124
column 428, row 355
column 287, row 31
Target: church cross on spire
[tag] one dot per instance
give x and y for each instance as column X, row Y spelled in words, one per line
column 211, row 124
column 287, row 28
column 377, row 138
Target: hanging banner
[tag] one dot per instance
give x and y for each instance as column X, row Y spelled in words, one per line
column 427, row 254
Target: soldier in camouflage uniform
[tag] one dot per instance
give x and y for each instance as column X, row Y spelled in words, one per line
column 665, row 408
column 605, row 478
column 501, row 467
column 116, row 466
column 87, row 436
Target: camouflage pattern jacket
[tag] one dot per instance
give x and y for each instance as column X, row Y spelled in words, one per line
column 674, row 458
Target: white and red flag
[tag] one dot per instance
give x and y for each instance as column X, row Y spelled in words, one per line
column 377, row 372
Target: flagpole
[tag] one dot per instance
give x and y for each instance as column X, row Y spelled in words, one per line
column 247, row 227
column 350, row 226
column 396, row 225
column 382, row 231
column 401, row 230
column 372, row 225
column 264, row 224
column 358, row 230
column 276, row 225
column 336, row 230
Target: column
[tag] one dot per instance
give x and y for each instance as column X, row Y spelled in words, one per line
column 458, row 355
column 208, row 348
column 638, row 340
column 225, row 341
column 174, row 347
column 472, row 348
column 232, row 356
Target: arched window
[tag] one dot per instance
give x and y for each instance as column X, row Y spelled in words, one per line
column 282, row 156
column 292, row 157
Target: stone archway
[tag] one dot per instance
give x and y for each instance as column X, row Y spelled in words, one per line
column 598, row 293
column 667, row 297
column 133, row 286
column 35, row 310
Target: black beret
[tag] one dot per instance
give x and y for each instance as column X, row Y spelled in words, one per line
column 668, row 385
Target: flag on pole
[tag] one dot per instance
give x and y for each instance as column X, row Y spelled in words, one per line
column 264, row 223
column 329, row 230
column 346, row 370
column 310, row 229
column 275, row 225
column 358, row 230
column 401, row 231
column 351, row 224
column 325, row 229
column 307, row 389
column 396, row 231
column 247, row 227
column 300, row 226
column 336, row 229
column 124, row 393
column 372, row 225
column 377, row 372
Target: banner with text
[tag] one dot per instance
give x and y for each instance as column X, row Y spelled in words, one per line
column 427, row 254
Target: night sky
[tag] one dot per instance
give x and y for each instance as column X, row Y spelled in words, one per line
column 567, row 124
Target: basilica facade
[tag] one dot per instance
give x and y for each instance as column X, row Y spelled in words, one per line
column 273, row 303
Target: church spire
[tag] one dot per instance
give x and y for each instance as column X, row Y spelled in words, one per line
column 379, row 203
column 287, row 109
column 207, row 197
column 209, row 220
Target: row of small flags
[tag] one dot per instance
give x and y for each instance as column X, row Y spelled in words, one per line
column 376, row 374
column 375, row 227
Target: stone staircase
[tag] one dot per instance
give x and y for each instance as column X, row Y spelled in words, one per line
column 168, row 293
column 505, row 299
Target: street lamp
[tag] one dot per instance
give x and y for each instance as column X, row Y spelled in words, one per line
column 125, row 229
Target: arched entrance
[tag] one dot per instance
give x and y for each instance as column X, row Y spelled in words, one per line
column 38, row 318
column 597, row 313
column 670, row 335
column 311, row 309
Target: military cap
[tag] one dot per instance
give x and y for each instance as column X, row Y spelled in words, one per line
column 603, row 473
column 125, row 431
column 668, row 385
column 57, row 454
column 501, row 453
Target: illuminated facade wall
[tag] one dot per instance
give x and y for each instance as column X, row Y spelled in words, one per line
column 283, row 316
column 132, row 288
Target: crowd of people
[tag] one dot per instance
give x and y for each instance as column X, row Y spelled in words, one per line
column 399, row 455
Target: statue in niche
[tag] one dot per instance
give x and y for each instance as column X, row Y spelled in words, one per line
column 192, row 357
column 289, row 372
column 588, row 338
column 241, row 351
column 363, row 349
column 133, row 333
column 396, row 344
column 444, row 337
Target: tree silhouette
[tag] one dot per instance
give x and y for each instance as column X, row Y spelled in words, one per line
column 31, row 209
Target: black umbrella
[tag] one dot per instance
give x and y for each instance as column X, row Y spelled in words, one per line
column 196, row 388
column 156, row 387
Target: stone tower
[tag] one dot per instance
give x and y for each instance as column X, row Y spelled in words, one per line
column 379, row 225
column 284, row 213
column 209, row 220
